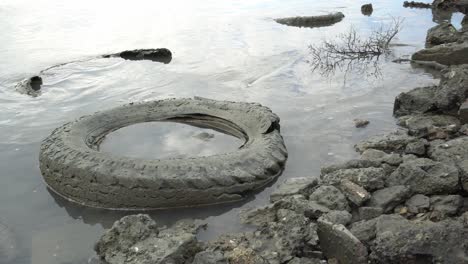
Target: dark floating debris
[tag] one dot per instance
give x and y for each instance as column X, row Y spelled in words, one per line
column 312, row 21
column 360, row 122
column 30, row 86
column 367, row 9
column 160, row 55
column 413, row 4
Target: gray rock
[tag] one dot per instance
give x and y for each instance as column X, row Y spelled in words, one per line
column 464, row 219
column 210, row 257
column 420, row 242
column 8, row 246
column 453, row 152
column 425, row 176
column 390, row 223
column 464, row 130
column 337, row 217
column 364, row 230
column 367, row 213
column 441, row 34
column 453, row 89
column 301, row 205
column 416, row 101
column 258, row 216
column 338, row 242
column 137, row 239
column 418, row 204
column 423, row 125
column 389, row 197
column 417, row 148
column 380, row 156
column 302, row 185
column 368, row 178
column 392, row 142
column 350, row 164
column 446, row 54
column 330, row 197
column 463, row 112
column 463, row 165
column 355, row 193
column 446, row 205
column 315, row 210
column 312, row 21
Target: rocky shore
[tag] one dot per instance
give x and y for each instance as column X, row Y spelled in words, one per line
column 405, row 200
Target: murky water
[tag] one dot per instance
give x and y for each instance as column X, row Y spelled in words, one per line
column 226, row 50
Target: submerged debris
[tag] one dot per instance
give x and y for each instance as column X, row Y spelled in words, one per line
column 160, row 55
column 312, row 21
column 367, row 9
column 360, row 122
column 414, row 4
column 30, row 86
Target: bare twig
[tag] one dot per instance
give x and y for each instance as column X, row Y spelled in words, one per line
column 352, row 51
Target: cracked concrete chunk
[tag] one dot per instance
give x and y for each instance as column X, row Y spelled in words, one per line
column 368, row 178
column 338, row 242
column 389, row 197
column 425, row 176
column 355, row 193
column 330, row 197
column 302, row 185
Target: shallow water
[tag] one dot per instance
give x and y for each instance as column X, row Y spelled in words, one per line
column 159, row 140
column 226, row 50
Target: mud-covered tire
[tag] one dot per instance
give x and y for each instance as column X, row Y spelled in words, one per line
column 73, row 166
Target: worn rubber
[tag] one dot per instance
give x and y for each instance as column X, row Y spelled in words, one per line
column 73, row 167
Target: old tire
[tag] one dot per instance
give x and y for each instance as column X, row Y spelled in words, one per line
column 73, row 167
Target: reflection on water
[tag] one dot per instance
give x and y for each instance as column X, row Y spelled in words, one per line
column 159, row 140
column 225, row 50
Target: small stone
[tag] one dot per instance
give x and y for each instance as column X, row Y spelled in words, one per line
column 360, row 122
column 293, row 186
column 389, row 197
column 330, row 197
column 418, row 204
column 367, row 213
column 355, row 193
column 403, row 210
